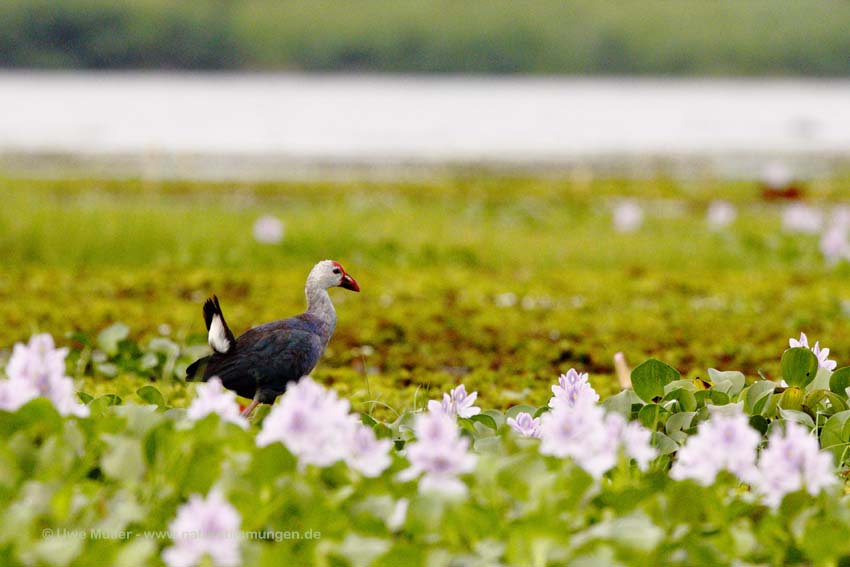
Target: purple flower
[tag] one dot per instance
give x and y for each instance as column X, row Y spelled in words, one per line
column 316, row 426
column 268, row 230
column 16, row 392
column 439, row 454
column 720, row 214
column 42, row 366
column 821, row 353
column 205, row 527
column 573, row 389
column 525, row 424
column 211, row 397
column 628, row 216
column 834, row 244
column 793, row 461
column 311, row 422
column 457, row 403
column 581, row 433
column 367, row 454
column 802, row 218
column 724, row 442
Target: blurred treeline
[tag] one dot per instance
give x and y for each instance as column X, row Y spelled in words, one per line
column 696, row 37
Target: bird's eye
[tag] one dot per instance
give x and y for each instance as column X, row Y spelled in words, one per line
column 336, row 270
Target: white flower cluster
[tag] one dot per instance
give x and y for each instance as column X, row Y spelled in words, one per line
column 38, row 369
column 212, row 398
column 318, row 428
column 204, row 527
column 792, row 460
column 439, row 454
column 457, row 403
column 578, row 428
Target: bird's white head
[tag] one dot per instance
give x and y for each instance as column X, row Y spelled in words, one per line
column 328, row 273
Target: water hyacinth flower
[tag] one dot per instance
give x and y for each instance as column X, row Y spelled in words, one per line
column 821, row 353
column 793, row 461
column 457, row 403
column 581, row 433
column 720, row 214
column 268, row 230
column 439, row 454
column 834, row 244
column 312, row 422
column 38, row 369
column 525, row 424
column 212, row 397
column 205, row 526
column 573, row 388
column 802, row 218
column 724, row 442
column 367, row 454
column 316, row 426
column 628, row 216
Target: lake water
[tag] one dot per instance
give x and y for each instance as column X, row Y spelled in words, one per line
column 223, row 125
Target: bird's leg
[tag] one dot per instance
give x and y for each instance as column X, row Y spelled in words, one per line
column 247, row 411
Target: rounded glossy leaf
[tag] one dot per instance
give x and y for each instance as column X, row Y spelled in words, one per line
column 756, row 394
column 734, row 378
column 799, row 366
column 651, row 415
column 792, row 399
column 151, row 395
column 835, row 435
column 840, row 381
column 664, row 444
column 650, row 377
column 486, row 420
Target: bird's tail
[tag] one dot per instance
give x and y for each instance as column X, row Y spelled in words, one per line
column 220, row 336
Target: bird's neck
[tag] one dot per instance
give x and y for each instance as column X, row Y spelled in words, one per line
column 319, row 304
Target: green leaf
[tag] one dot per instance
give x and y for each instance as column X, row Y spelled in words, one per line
column 650, row 378
column 792, row 399
column 677, row 424
column 718, row 398
column 151, row 395
column 485, row 420
column 99, row 406
column 109, row 338
column 651, row 414
column 733, row 377
column 800, row 417
column 799, row 366
column 85, row 398
column 840, row 381
column 835, row 435
column 664, row 444
column 621, row 403
column 756, row 395
column 686, row 399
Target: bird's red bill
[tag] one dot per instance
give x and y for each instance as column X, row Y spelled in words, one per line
column 349, row 283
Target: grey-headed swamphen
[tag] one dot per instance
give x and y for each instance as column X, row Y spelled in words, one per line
column 260, row 363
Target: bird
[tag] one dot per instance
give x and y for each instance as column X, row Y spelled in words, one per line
column 261, row 362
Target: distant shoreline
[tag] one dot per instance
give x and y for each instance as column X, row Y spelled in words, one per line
column 293, row 126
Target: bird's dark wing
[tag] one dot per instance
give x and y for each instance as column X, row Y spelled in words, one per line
column 267, row 358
